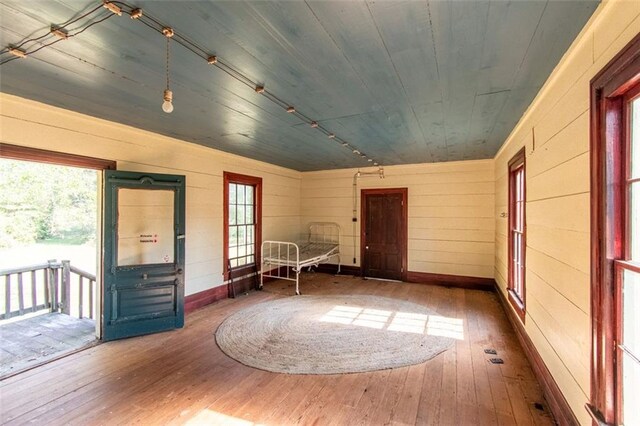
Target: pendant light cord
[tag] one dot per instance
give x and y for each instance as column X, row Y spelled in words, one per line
column 167, row 63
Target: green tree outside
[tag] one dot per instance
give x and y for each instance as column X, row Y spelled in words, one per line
column 46, row 204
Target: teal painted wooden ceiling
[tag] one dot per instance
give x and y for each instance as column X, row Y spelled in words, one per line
column 401, row 81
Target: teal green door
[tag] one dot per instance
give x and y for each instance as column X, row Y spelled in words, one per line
column 143, row 253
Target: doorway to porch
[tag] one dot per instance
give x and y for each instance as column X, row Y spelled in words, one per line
column 49, row 240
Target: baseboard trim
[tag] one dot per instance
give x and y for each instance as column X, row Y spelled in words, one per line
column 557, row 403
column 330, row 268
column 459, row 281
column 203, row 298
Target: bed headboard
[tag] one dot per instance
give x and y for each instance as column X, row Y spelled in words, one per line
column 324, row 232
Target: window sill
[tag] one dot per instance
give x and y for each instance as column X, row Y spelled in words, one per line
column 517, row 303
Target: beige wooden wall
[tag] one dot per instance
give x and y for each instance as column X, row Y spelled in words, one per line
column 555, row 134
column 451, row 210
column 27, row 123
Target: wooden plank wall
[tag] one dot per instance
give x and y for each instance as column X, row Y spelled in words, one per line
column 555, row 132
column 451, row 210
column 32, row 124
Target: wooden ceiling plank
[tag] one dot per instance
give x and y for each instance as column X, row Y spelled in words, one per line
column 404, row 81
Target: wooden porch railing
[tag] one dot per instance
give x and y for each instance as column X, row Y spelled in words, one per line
column 56, row 286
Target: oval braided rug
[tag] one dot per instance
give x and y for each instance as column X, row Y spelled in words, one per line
column 335, row 334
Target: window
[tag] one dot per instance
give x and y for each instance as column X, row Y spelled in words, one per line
column 627, row 274
column 615, row 239
column 242, row 220
column 517, row 234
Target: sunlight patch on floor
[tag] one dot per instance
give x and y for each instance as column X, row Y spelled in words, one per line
column 210, row 417
column 406, row 322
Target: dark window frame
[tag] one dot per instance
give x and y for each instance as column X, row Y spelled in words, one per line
column 256, row 182
column 517, row 298
column 16, row 152
column 609, row 89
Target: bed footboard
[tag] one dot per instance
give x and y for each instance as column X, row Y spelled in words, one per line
column 280, row 260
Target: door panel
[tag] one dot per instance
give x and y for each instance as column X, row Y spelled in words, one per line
column 140, row 212
column 144, row 253
column 384, row 233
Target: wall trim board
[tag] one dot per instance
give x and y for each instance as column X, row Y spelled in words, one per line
column 24, row 153
column 206, row 297
column 244, row 283
column 474, row 283
column 558, row 404
column 329, row 268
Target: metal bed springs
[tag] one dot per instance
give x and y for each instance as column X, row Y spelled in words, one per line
column 285, row 260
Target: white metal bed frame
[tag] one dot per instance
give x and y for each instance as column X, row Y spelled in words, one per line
column 322, row 244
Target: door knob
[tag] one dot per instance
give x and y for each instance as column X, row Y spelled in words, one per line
column 366, row 247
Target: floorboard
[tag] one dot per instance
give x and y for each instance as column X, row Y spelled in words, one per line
column 182, row 377
column 30, row 341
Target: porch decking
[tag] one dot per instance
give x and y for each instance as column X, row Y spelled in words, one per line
column 31, row 341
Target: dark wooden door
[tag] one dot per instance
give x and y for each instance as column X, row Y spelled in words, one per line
column 143, row 253
column 384, row 233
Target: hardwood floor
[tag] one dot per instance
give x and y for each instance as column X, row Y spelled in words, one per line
column 181, row 377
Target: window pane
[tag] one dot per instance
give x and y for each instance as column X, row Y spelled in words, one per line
column 145, row 226
column 241, row 236
column 249, row 195
column 242, row 261
column 250, row 249
column 630, row 390
column 233, row 252
column 232, row 214
column 233, row 236
column 634, row 221
column 232, row 193
column 635, row 138
column 242, row 251
column 520, row 281
column 250, row 237
column 240, row 199
column 240, row 218
column 249, row 214
column 630, row 312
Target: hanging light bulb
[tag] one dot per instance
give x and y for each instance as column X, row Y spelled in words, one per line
column 167, row 105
